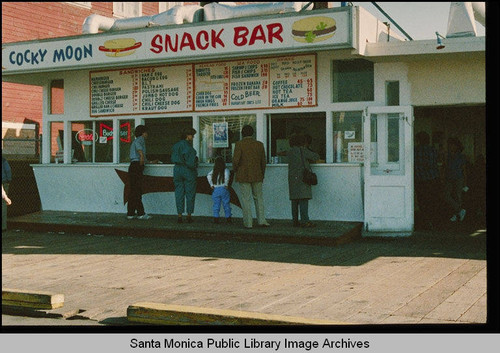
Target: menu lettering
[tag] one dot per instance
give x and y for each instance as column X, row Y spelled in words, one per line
column 228, row 85
column 141, row 90
column 256, row 83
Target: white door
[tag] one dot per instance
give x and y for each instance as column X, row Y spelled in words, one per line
column 388, row 169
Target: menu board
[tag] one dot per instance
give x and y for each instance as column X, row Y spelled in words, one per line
column 141, row 90
column 256, row 83
column 288, row 81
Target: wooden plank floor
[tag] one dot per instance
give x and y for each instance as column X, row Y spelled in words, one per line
column 422, row 279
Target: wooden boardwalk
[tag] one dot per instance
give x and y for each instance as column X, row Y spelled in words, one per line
column 427, row 278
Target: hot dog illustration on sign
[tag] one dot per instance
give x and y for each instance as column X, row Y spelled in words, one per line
column 120, row 47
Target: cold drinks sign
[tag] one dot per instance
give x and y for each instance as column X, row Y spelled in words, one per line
column 284, row 33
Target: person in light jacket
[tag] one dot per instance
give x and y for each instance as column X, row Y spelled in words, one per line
column 300, row 193
column 138, row 160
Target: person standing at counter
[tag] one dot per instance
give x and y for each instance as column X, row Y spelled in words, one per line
column 218, row 179
column 185, row 174
column 455, row 182
column 299, row 156
column 249, row 164
column 135, row 174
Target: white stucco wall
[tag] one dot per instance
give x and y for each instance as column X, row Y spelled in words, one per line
column 97, row 188
column 448, row 81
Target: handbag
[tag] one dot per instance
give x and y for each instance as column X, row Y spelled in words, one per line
column 308, row 177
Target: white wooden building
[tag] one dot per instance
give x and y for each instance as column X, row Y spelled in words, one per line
column 337, row 74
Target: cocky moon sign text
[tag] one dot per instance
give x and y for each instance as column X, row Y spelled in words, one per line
column 297, row 32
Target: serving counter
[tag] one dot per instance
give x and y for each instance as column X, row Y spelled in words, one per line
column 83, row 187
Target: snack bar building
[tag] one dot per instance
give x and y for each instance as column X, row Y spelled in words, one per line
column 340, row 75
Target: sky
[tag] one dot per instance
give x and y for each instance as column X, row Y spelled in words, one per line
column 421, row 20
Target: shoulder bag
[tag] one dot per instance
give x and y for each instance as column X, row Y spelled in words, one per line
column 308, row 177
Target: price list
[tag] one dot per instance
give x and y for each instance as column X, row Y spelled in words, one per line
column 212, row 86
column 141, row 90
column 229, row 85
column 256, row 83
column 293, row 81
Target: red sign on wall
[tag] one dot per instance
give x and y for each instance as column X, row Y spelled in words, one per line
column 107, row 131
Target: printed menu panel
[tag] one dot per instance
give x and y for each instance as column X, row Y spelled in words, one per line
column 256, row 83
column 288, row 81
column 141, row 90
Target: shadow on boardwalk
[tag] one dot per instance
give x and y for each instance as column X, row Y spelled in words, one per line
column 462, row 244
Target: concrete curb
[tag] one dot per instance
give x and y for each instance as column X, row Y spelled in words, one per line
column 165, row 314
column 32, row 300
column 242, row 235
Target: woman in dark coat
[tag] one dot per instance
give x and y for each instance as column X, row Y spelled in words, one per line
column 300, row 193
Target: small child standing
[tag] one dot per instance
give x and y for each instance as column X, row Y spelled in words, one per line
column 218, row 178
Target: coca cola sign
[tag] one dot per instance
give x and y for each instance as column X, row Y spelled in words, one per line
column 86, row 137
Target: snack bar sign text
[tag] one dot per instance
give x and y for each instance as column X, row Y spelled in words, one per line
column 287, row 33
column 242, row 36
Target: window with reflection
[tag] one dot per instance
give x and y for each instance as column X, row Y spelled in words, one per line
column 126, row 137
column 104, row 142
column 392, row 93
column 352, row 80
column 282, row 126
column 56, row 141
column 348, row 137
column 219, row 134
column 92, row 141
column 82, row 141
column 387, row 137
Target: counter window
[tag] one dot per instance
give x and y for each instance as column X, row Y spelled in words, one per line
column 353, row 80
column 219, row 134
column 348, row 137
column 92, row 141
column 126, row 137
column 163, row 133
column 281, row 126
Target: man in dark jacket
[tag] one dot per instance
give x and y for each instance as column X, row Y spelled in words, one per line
column 249, row 165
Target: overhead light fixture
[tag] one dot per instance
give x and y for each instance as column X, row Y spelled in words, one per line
column 440, row 44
